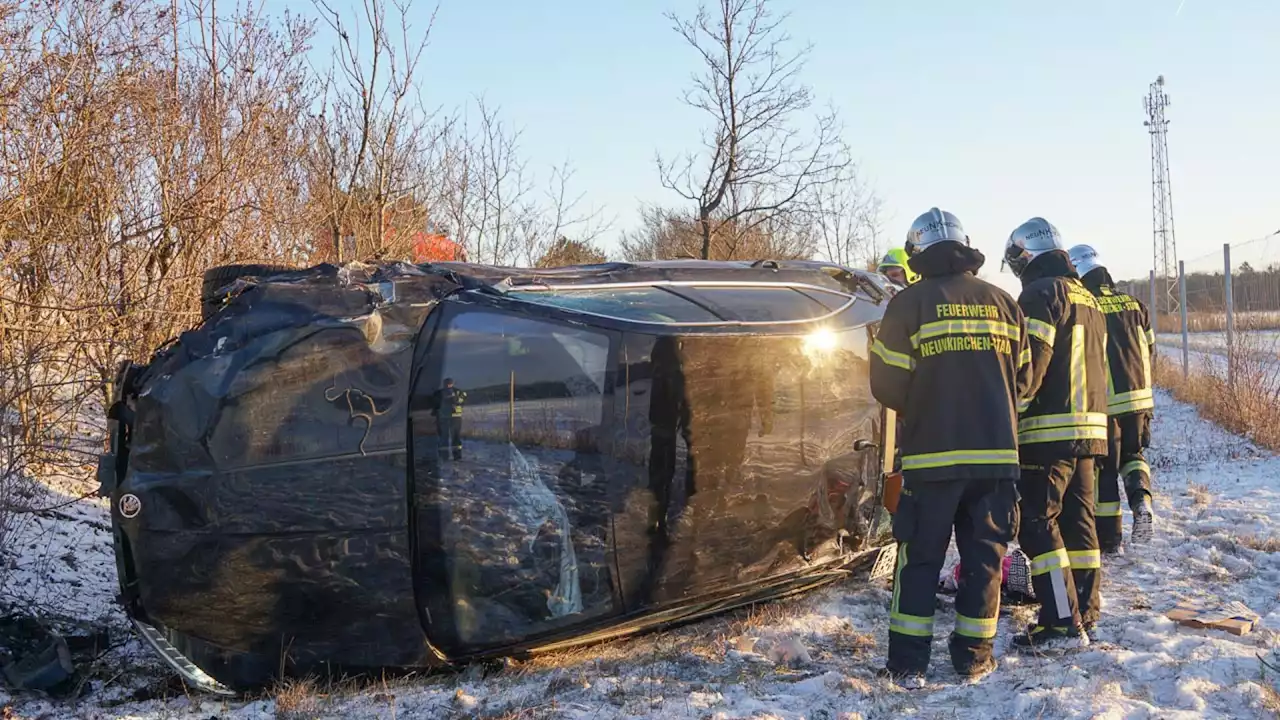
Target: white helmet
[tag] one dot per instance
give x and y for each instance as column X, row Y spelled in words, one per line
column 1029, row 241
column 932, row 228
column 1085, row 259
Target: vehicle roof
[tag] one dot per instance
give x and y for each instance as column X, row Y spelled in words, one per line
column 682, row 293
column 693, row 293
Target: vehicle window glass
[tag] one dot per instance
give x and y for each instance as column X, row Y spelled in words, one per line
column 757, row 304
column 733, row 440
column 522, row 510
column 652, row 304
column 831, row 301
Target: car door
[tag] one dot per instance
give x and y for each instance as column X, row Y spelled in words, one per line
column 508, row 431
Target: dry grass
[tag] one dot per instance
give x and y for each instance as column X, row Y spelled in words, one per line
column 1270, row 698
column 1249, row 406
column 1200, row 496
column 1267, row 544
column 298, row 700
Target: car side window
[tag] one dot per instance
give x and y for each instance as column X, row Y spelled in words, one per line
column 520, row 504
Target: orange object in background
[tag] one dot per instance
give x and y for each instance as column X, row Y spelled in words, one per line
column 892, row 490
column 436, row 248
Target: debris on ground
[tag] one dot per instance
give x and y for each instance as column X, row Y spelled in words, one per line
column 36, row 657
column 1233, row 617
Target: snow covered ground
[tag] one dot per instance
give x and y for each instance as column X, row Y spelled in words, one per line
column 1212, row 346
column 813, row 657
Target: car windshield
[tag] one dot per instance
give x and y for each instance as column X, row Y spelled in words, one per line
column 680, row 304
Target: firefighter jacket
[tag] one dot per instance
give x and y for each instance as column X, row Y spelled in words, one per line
column 1063, row 411
column 1130, row 346
column 949, row 356
column 450, row 401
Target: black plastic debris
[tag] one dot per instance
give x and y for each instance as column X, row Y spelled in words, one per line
column 49, row 671
column 34, row 656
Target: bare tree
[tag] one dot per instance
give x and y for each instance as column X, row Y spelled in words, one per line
column 372, row 134
column 144, row 142
column 846, row 220
column 669, row 234
column 757, row 162
column 565, row 224
column 489, row 199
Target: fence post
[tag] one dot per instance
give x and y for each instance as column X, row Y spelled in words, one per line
column 1155, row 309
column 1182, row 301
column 1231, row 314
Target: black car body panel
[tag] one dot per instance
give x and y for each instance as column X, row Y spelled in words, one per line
column 641, row 444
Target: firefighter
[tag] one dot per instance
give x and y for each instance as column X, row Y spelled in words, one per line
column 1130, row 405
column 1062, row 428
column 894, row 266
column 949, row 357
column 449, row 402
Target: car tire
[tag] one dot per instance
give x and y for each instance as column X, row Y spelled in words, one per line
column 217, row 278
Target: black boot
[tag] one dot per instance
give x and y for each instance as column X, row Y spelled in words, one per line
column 1041, row 639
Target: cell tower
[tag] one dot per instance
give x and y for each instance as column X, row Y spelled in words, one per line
column 1164, row 245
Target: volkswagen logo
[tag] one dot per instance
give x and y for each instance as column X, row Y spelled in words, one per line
column 130, row 505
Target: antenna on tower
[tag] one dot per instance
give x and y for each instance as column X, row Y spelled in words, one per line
column 1164, row 244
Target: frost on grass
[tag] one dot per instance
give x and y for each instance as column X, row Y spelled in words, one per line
column 1218, row 511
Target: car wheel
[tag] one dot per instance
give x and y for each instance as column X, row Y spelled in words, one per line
column 217, row 278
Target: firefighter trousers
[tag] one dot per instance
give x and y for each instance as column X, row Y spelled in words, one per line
column 984, row 514
column 1127, row 437
column 451, row 436
column 1059, row 536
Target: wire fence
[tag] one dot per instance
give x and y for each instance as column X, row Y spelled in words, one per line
column 1222, row 309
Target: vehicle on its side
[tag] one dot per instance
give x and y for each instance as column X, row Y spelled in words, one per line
column 397, row 466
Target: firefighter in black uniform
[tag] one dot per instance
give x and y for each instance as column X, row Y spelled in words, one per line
column 449, row 402
column 1062, row 429
column 1130, row 404
column 949, row 357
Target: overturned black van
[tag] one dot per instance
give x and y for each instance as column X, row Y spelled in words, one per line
column 376, row 466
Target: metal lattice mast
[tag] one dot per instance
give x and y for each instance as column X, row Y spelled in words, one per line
column 1164, row 245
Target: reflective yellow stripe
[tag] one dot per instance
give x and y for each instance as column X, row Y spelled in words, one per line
column 897, row 578
column 1085, row 559
column 1078, row 378
column 1024, row 404
column 1135, row 465
column 893, row 359
column 1151, row 336
column 915, row 625
column 1147, row 380
column 1107, row 509
column 948, row 458
column 1050, row 561
column 1141, row 394
column 1082, row 296
column 1063, row 434
column 980, row 628
column 1059, row 420
column 965, row 327
column 1041, row 329
column 1024, row 358
column 1131, row 406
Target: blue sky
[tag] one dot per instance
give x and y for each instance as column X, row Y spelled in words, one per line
column 996, row 110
